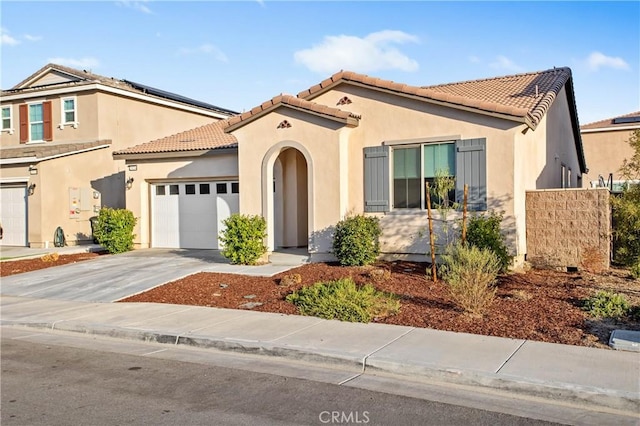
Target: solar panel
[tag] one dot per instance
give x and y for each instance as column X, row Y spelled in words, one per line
column 622, row 120
column 175, row 97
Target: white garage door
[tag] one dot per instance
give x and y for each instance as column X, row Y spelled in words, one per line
column 13, row 214
column 190, row 215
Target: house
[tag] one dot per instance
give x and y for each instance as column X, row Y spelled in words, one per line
column 358, row 144
column 606, row 147
column 59, row 128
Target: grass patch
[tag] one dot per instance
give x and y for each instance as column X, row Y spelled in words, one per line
column 345, row 301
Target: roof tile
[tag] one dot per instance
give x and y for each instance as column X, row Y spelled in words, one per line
column 609, row 122
column 204, row 138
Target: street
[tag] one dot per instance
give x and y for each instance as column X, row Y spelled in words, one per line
column 55, row 379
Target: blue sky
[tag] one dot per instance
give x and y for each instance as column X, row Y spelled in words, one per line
column 239, row 54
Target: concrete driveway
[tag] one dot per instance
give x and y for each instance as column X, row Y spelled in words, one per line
column 113, row 277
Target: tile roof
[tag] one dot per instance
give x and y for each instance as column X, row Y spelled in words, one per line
column 345, row 117
column 525, row 96
column 86, row 77
column 608, row 123
column 204, row 138
column 48, row 149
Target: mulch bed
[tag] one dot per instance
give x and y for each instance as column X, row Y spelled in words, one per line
column 18, row 266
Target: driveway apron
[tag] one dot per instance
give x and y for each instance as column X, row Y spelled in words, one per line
column 107, row 278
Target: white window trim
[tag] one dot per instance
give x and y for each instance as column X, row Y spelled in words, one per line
column 414, row 143
column 63, row 121
column 10, row 130
column 41, row 102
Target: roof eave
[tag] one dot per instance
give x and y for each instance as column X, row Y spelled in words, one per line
column 174, row 154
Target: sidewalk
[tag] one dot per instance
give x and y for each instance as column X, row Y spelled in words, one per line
column 595, row 377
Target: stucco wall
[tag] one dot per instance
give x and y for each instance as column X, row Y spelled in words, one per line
column 568, row 228
column 605, row 151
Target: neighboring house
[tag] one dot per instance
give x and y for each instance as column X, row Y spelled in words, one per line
column 606, row 147
column 355, row 144
column 59, row 128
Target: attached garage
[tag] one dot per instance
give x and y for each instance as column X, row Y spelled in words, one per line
column 189, row 214
column 13, row 214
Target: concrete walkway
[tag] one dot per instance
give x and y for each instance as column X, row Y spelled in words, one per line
column 604, row 379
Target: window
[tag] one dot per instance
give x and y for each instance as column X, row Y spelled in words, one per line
column 160, row 190
column 235, row 187
column 35, row 122
column 174, row 190
column 204, row 188
column 410, row 174
column 563, row 176
column 221, row 188
column 7, row 119
column 190, row 189
column 395, row 177
column 68, row 111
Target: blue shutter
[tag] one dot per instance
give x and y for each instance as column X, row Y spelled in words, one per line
column 471, row 168
column 376, row 179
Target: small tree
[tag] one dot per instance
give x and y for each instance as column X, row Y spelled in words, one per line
column 243, row 238
column 114, row 229
column 626, row 209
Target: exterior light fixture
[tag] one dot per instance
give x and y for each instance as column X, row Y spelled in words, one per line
column 31, row 188
column 129, row 183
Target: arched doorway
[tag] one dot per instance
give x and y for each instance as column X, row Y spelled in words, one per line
column 290, row 199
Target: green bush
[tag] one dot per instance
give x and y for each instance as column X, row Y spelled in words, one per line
column 343, row 300
column 470, row 273
column 635, row 270
column 113, row 229
column 484, row 232
column 356, row 240
column 626, row 226
column 243, row 238
column 606, row 304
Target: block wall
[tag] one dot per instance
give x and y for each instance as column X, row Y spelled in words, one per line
column 569, row 228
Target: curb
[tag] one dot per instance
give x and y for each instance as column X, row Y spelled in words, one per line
column 557, row 391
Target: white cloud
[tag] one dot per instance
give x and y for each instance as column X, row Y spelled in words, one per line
column 505, row 64
column 6, row 39
column 474, row 59
column 208, row 49
column 32, row 37
column 597, row 60
column 84, row 63
column 136, row 5
column 371, row 53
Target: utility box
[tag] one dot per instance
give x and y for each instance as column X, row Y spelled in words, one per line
column 83, row 200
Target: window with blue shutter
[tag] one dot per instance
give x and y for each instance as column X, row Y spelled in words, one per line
column 376, row 179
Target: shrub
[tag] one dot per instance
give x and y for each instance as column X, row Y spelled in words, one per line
column 606, row 304
column 470, row 273
column 484, row 232
column 343, row 300
column 356, row 240
column 243, row 238
column 290, row 279
column 626, row 226
column 635, row 270
column 114, row 229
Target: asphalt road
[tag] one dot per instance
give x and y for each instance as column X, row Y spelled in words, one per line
column 58, row 384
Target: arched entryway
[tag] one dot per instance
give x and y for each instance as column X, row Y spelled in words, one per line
column 290, row 199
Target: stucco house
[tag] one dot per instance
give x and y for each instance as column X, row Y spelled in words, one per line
column 606, row 147
column 358, row 144
column 59, row 128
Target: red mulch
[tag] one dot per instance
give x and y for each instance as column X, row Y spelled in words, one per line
column 536, row 305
